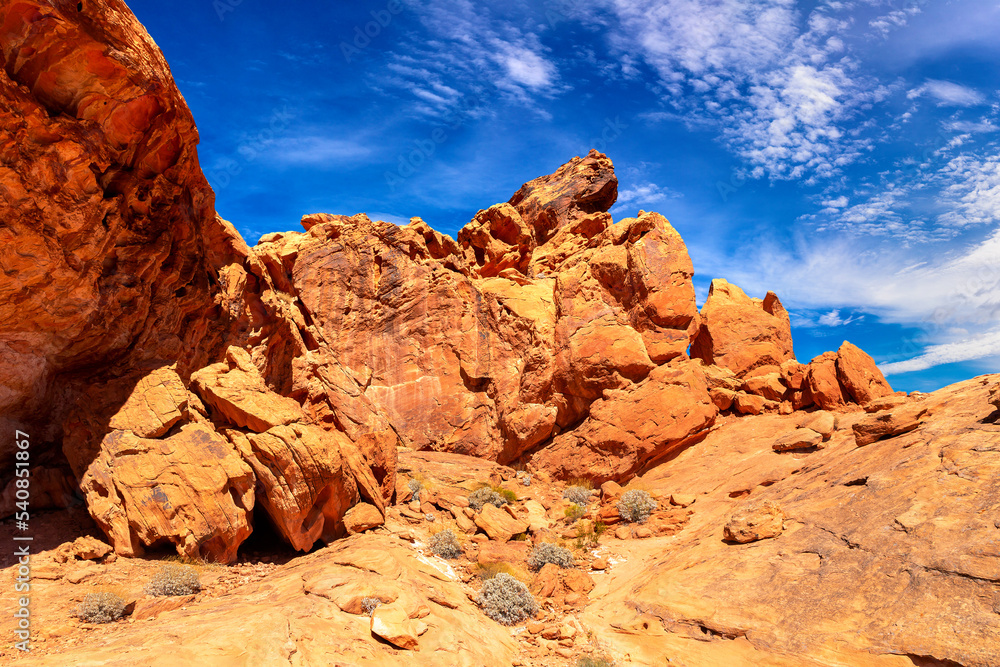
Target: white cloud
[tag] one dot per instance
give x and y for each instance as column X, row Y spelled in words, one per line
column 780, row 90
column 527, row 67
column 973, row 192
column 643, row 195
column 948, row 93
column 693, row 37
column 791, row 127
column 977, row 347
column 951, row 297
column 895, row 19
column 923, row 203
column 981, row 127
column 839, row 202
column 468, row 54
column 833, row 319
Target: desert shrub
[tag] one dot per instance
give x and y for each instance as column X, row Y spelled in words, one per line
column 101, row 608
column 445, row 545
column 635, row 506
column 174, row 580
column 575, row 512
column 577, row 495
column 598, row 661
column 549, row 553
column 506, row 600
column 369, row 605
column 415, row 485
column 586, row 537
column 486, row 496
column 524, row 476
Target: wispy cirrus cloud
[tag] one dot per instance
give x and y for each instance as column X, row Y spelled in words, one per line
column 469, row 52
column 893, row 20
column 927, row 203
column 948, row 93
column 978, row 347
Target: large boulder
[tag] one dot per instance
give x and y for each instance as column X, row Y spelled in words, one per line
column 629, row 429
column 860, row 377
column 580, row 187
column 740, row 333
column 190, row 489
column 848, row 376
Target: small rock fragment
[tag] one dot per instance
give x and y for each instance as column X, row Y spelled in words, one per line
column 756, row 522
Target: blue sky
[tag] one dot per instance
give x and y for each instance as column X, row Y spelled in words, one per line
column 841, row 153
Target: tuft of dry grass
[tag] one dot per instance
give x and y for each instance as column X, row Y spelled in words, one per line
column 489, row 570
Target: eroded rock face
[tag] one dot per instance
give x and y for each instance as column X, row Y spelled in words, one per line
column 109, row 243
column 579, row 188
column 191, row 489
column 121, row 284
column 630, row 428
column 490, row 345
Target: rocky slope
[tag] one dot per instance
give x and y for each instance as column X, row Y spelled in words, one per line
column 831, row 553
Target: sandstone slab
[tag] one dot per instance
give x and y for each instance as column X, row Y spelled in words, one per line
column 498, row 524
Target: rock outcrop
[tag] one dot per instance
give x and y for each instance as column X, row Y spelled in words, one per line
column 493, row 345
column 751, row 557
column 121, row 284
column 740, row 333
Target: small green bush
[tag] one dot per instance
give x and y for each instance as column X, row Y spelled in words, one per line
column 575, row 512
column 545, row 553
column 174, row 580
column 445, row 545
column 599, row 661
column 486, row 496
column 506, row 600
column 506, row 494
column 635, row 506
column 577, row 495
column 101, row 608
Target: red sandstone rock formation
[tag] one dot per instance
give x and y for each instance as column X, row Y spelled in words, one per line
column 190, row 381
